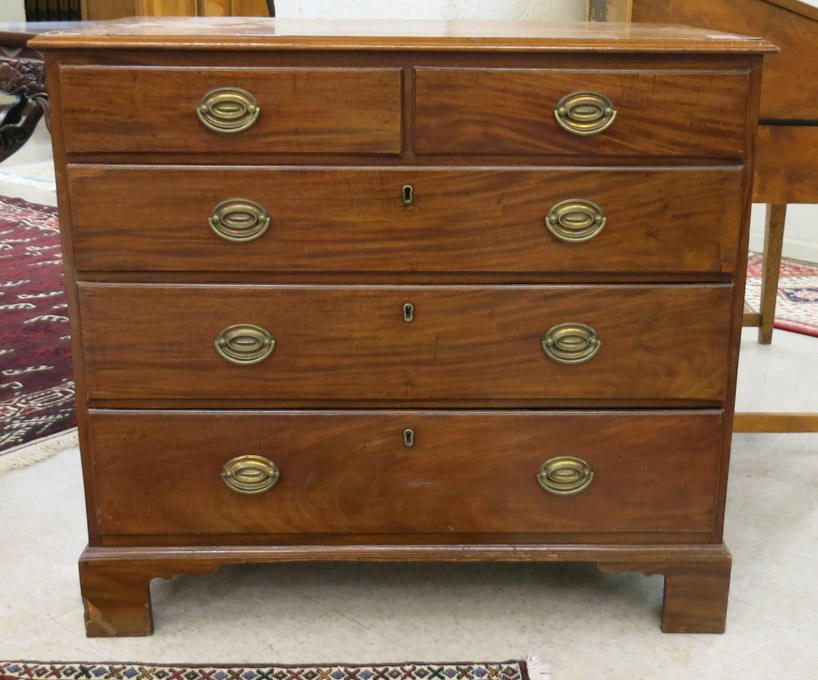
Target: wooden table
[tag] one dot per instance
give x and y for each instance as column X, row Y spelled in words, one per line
column 787, row 154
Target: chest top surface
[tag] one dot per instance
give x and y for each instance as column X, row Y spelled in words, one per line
column 322, row 34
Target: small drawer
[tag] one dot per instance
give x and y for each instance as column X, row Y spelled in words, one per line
column 580, row 112
column 241, row 110
column 484, row 344
column 285, row 219
column 319, row 472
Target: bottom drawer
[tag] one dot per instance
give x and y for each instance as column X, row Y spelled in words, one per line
column 161, row 472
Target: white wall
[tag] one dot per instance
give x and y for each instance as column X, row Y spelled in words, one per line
column 800, row 231
column 12, row 10
column 436, row 9
column 565, row 10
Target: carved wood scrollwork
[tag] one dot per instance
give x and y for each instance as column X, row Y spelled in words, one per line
column 22, row 75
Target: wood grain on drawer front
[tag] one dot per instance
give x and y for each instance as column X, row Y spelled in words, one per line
column 511, row 111
column 355, row 220
column 349, row 472
column 315, row 110
column 470, row 343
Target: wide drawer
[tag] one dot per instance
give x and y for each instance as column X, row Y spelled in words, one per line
column 357, row 220
column 297, row 110
column 516, row 111
column 466, row 343
column 351, row 472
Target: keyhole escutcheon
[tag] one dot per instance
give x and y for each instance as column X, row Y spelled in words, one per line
column 408, row 194
column 409, row 437
column 408, row 312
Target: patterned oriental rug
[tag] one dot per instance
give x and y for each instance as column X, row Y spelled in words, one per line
column 796, row 308
column 504, row 670
column 36, row 386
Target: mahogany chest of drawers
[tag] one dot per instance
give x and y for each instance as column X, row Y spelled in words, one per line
column 465, row 292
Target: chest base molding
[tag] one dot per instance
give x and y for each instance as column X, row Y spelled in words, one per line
column 697, row 578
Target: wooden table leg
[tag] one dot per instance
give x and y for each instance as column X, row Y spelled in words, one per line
column 773, row 244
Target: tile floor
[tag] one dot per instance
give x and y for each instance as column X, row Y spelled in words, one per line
column 582, row 623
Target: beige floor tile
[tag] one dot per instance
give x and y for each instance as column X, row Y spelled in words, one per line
column 246, row 595
column 48, row 641
column 331, row 584
column 482, row 609
column 777, row 377
column 232, row 616
column 43, row 532
column 334, row 638
column 804, row 665
column 648, row 661
column 777, row 616
column 155, row 649
column 620, row 638
column 772, row 507
column 17, row 614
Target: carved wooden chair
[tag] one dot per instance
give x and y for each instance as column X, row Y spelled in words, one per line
column 22, row 75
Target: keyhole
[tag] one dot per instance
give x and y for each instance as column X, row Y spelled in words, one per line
column 409, row 437
column 408, row 312
column 408, row 194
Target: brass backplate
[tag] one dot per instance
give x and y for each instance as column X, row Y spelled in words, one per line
column 565, row 475
column 228, row 110
column 245, row 344
column 239, row 220
column 585, row 113
column 571, row 343
column 575, row 220
column 250, row 474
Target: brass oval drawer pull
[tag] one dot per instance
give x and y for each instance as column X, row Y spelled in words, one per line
column 250, row 474
column 239, row 220
column 245, row 344
column 565, row 475
column 575, row 220
column 228, row 110
column 585, row 113
column 571, row 343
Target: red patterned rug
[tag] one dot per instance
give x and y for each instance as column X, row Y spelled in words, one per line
column 796, row 307
column 503, row 670
column 36, row 386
